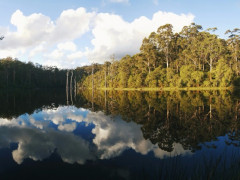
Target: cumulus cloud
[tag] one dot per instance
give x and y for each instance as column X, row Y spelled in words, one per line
column 67, row 46
column 114, row 35
column 38, row 28
column 37, row 35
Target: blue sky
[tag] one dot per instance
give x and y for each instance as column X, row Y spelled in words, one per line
column 72, row 33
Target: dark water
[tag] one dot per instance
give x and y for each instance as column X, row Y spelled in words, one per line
column 119, row 135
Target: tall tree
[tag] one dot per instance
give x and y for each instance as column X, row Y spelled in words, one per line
column 234, row 46
column 190, row 44
column 149, row 51
column 165, row 43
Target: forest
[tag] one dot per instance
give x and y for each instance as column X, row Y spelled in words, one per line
column 17, row 74
column 190, row 58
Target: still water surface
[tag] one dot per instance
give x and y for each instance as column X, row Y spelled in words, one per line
column 119, row 135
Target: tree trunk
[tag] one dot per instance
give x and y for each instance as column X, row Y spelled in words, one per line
column 71, row 81
column 14, row 76
column 210, row 107
column 30, row 78
column 75, row 87
column 236, row 58
column 92, row 76
column 67, row 86
column 105, row 78
column 167, row 58
column 149, row 71
column 210, row 77
column 71, row 88
column 7, row 77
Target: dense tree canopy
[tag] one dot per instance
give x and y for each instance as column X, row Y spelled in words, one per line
column 191, row 58
column 14, row 73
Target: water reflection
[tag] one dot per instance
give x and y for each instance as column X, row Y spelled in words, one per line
column 188, row 118
column 42, row 132
column 158, row 128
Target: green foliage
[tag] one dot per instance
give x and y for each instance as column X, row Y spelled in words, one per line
column 197, row 77
column 223, row 74
column 186, row 72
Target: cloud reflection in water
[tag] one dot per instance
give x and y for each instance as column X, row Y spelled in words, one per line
column 42, row 132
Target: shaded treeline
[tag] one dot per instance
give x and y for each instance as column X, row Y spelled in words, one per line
column 14, row 73
column 188, row 118
column 17, row 102
column 17, row 74
column 190, row 58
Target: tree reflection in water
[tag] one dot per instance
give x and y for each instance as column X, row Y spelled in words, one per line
column 188, row 118
column 149, row 135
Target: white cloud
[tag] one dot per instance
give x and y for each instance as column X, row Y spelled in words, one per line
column 72, row 24
column 38, row 49
column 38, row 34
column 67, row 46
column 57, row 42
column 113, row 35
column 56, row 54
column 76, row 55
column 119, row 1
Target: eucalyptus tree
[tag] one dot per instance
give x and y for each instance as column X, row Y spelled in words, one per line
column 165, row 43
column 112, row 68
column 106, row 72
column 188, row 58
column 190, row 43
column 213, row 51
column 234, row 46
column 124, row 70
column 149, row 51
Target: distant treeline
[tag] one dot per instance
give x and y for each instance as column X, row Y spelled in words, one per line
column 17, row 74
column 14, row 73
column 191, row 58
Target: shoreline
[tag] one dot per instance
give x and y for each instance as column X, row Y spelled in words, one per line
column 167, row 89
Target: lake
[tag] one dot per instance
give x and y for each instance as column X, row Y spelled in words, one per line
column 119, row 135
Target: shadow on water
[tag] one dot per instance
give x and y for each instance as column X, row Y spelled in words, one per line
column 20, row 101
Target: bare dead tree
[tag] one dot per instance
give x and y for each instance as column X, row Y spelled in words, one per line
column 67, row 85
column 75, row 87
column 71, row 88
column 71, row 81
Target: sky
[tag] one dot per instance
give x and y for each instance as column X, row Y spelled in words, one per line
column 72, row 33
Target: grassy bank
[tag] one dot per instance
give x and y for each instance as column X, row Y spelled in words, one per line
column 168, row 89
